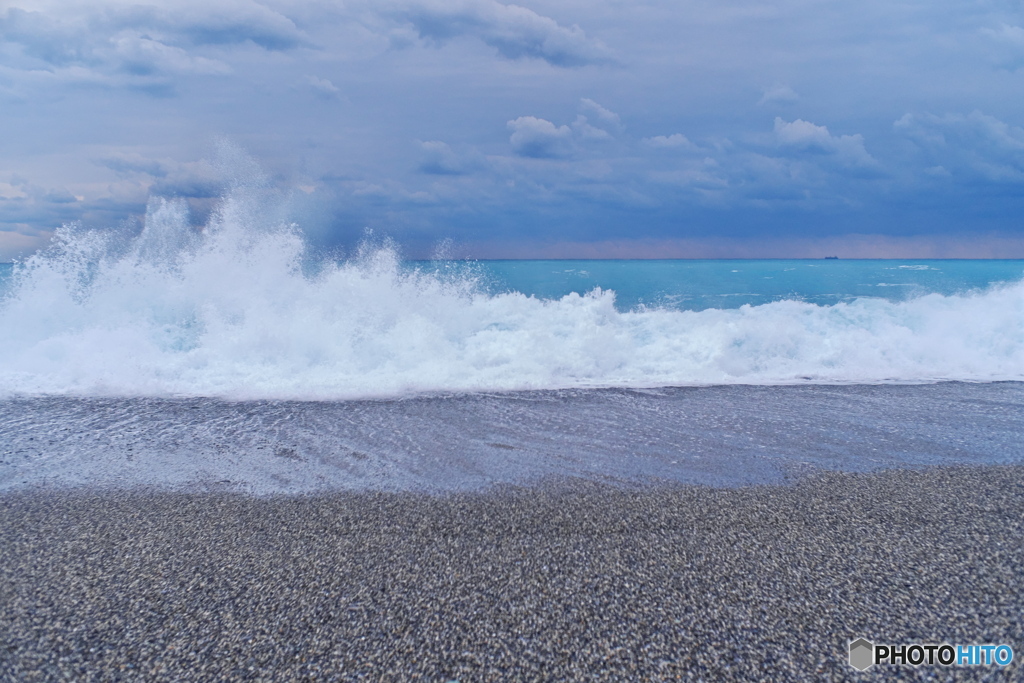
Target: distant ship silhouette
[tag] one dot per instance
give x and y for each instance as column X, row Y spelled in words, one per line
column 831, row 257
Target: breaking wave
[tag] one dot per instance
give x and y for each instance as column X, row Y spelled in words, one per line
column 237, row 311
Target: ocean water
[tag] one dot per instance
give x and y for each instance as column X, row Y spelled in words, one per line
column 697, row 285
column 244, row 311
column 235, row 356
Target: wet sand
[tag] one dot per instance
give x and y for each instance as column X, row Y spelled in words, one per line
column 568, row 581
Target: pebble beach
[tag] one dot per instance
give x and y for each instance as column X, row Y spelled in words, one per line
column 568, row 580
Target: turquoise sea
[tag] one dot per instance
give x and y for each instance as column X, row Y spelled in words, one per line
column 699, row 284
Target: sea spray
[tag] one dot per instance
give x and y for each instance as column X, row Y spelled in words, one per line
column 240, row 309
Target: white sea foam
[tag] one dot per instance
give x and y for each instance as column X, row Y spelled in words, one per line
column 233, row 311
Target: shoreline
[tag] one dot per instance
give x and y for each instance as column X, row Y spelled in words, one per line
column 572, row 580
column 718, row 436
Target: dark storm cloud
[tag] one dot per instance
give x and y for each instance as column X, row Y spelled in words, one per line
column 527, row 122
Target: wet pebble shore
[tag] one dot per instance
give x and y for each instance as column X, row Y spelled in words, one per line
column 567, row 581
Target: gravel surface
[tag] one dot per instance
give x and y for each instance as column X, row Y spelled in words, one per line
column 569, row 581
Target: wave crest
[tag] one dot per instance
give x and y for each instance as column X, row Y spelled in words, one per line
column 237, row 311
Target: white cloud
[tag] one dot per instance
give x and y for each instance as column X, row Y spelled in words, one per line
column 806, row 137
column 603, row 114
column 588, row 132
column 322, row 86
column 802, row 134
column 778, row 94
column 229, row 22
column 137, row 54
column 12, row 190
column 674, row 141
column 542, row 139
column 539, row 138
column 514, row 31
column 440, row 159
column 121, row 44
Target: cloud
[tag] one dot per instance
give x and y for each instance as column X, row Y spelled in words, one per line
column 585, row 130
column 30, row 209
column 704, row 177
column 322, row 86
column 974, row 145
column 188, row 186
column 137, row 54
column 440, row 159
column 778, row 94
column 806, row 137
column 804, row 166
column 140, row 46
column 588, row 132
column 133, row 162
column 227, row 22
column 606, row 115
column 12, row 190
column 17, row 245
column 41, row 37
column 515, row 32
column 35, row 211
column 1008, row 44
column 166, row 177
column 539, row 138
column 674, row 141
column 61, row 196
column 245, row 68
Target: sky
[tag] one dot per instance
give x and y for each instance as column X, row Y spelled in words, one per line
column 571, row 129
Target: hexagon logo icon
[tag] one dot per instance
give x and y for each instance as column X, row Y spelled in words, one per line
column 861, row 654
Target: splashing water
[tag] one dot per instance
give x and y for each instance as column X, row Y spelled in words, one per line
column 231, row 311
